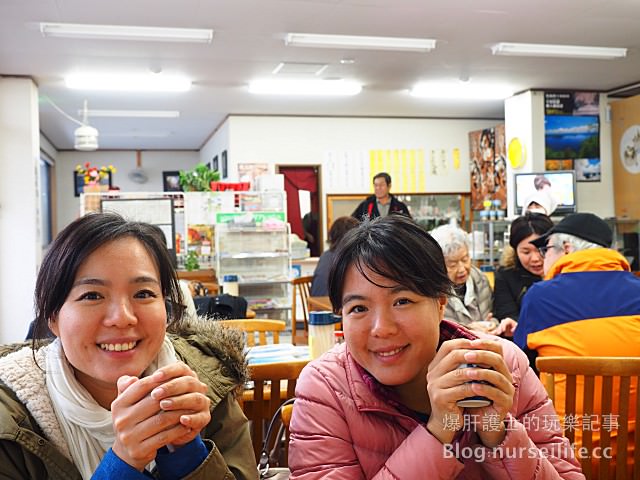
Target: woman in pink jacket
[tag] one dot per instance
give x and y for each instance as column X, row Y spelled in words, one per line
column 385, row 404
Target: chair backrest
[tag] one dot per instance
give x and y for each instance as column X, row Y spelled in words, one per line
column 598, row 399
column 300, row 290
column 491, row 278
column 273, row 383
column 259, row 327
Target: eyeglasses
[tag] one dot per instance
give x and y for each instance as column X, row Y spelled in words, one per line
column 544, row 248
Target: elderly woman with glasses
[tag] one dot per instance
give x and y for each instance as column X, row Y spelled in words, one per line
column 470, row 303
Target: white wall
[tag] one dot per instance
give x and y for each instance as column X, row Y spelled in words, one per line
column 218, row 143
column 306, row 140
column 20, row 236
column 153, row 162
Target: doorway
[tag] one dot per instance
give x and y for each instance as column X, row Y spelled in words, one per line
column 302, row 184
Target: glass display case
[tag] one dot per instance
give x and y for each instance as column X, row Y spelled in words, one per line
column 488, row 238
column 428, row 209
column 260, row 256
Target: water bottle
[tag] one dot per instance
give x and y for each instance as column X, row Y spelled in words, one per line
column 230, row 285
column 321, row 337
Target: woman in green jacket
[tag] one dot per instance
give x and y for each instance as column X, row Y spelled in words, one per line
column 120, row 392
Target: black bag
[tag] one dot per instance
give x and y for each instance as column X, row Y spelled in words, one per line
column 269, row 455
column 221, row 307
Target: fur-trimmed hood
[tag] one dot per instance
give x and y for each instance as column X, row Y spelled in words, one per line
column 214, row 339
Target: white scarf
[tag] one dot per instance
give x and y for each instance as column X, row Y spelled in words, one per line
column 86, row 426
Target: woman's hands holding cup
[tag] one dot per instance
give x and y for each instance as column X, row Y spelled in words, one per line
column 447, row 384
column 167, row 408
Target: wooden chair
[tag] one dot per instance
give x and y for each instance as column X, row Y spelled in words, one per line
column 273, row 383
column 598, row 386
column 300, row 289
column 261, row 327
column 491, row 278
column 285, row 415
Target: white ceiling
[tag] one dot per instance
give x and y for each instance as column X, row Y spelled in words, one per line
column 248, row 43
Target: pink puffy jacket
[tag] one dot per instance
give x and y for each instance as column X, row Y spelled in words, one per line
column 341, row 430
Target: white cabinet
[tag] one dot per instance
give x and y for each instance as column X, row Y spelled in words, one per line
column 260, row 255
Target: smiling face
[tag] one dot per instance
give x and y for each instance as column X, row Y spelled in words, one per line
column 113, row 321
column 391, row 332
column 529, row 255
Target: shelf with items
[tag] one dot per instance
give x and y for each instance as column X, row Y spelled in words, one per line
column 260, row 256
column 205, row 211
column 428, row 209
column 488, row 239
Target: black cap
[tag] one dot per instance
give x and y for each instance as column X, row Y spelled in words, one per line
column 586, row 226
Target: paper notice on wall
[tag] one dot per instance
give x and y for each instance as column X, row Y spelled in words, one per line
column 456, row 159
column 352, row 171
column 347, row 171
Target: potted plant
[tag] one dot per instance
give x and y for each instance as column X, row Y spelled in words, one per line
column 198, row 179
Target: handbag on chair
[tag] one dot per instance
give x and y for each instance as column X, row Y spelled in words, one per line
column 268, row 464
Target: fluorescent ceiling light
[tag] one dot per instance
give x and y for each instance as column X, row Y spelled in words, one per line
column 360, row 42
column 126, row 32
column 461, row 91
column 549, row 50
column 133, row 113
column 128, row 83
column 305, row 87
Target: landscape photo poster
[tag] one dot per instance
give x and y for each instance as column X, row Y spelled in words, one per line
column 572, row 133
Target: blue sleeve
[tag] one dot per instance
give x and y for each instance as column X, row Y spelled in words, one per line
column 113, row 466
column 178, row 464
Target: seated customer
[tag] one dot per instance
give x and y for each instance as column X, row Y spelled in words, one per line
column 470, row 304
column 119, row 393
column 588, row 305
column 319, row 284
column 383, row 404
column 522, row 266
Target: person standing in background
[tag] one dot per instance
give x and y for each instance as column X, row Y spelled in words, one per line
column 381, row 203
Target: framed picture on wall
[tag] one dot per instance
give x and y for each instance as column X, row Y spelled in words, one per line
column 171, row 181
column 223, row 155
column 214, row 163
column 78, row 182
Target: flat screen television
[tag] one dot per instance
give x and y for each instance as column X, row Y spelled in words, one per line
column 561, row 185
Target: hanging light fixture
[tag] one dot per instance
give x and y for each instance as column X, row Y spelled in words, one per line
column 86, row 136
